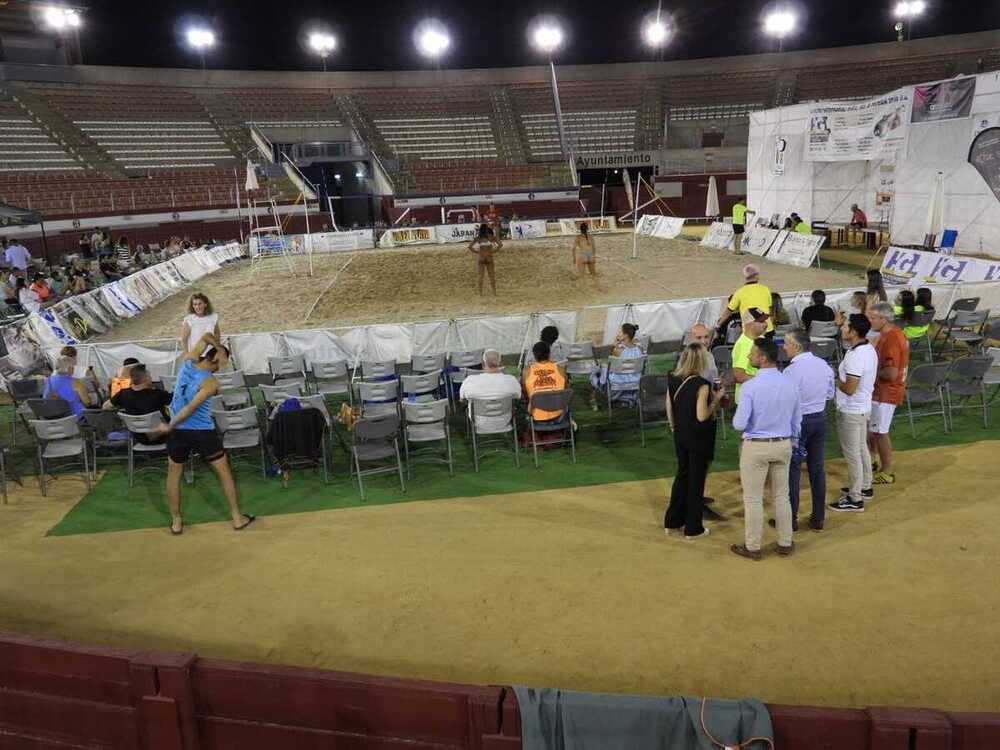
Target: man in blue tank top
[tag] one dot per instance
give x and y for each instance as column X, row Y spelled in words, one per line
column 192, row 429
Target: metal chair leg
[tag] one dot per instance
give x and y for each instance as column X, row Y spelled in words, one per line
column 361, row 485
column 41, row 472
column 399, row 466
column 534, row 441
column 447, row 438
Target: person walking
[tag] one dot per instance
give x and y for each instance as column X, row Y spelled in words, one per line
column 814, row 380
column 691, row 406
column 855, row 383
column 770, row 417
column 893, row 352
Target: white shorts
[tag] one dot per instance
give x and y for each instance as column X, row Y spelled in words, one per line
column 881, row 418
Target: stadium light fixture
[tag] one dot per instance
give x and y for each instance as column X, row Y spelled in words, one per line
column 62, row 19
column 200, row 39
column 908, row 10
column 432, row 39
column 322, row 44
column 655, row 31
column 548, row 37
column 780, row 23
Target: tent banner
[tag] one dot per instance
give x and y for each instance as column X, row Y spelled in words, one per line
column 758, row 240
column 595, row 225
column 447, row 233
column 919, row 268
column 527, row 230
column 719, row 235
column 858, row 131
column 796, row 249
column 946, row 100
column 408, row 236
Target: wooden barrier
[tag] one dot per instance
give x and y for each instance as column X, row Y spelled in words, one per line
column 56, row 696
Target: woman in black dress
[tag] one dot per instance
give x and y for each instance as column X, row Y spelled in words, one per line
column 691, row 406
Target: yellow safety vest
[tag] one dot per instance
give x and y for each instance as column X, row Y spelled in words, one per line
column 739, row 213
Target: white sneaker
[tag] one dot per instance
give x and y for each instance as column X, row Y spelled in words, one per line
column 706, row 532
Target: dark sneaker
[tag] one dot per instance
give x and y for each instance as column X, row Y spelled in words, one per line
column 785, row 551
column 866, row 494
column 847, row 505
column 815, row 526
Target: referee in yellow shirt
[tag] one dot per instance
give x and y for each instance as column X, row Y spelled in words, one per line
column 751, row 294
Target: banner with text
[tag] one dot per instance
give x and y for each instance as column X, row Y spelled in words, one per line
column 719, row 236
column 796, row 249
column 527, row 230
column 947, row 100
column 595, row 225
column 759, row 240
column 918, row 268
column 408, row 236
column 858, row 131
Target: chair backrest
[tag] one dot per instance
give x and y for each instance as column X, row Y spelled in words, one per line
column 102, row 421
column 964, row 303
column 167, row 382
column 143, row 422
column 930, row 376
column 21, row 390
column 239, row 419
column 970, row 318
column 643, row 342
column 823, row 348
column 581, row 350
column 49, row 408
column 376, row 428
column 425, row 383
column 228, row 379
column 55, row 429
column 970, row 368
column 315, row 401
column 422, row 412
column 552, row 401
column 378, row 369
column 284, row 366
column 472, row 358
column 387, row 390
column 824, row 329
column 333, row 370
column 427, row 362
column 948, row 238
column 491, row 407
column 272, row 393
column 919, row 319
column 630, row 366
column 723, row 356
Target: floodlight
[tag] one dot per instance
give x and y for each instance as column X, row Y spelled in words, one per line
column 62, row 18
column 359, row 174
column 337, row 177
column 780, row 23
column 655, row 31
column 910, row 9
column 200, row 38
column 547, row 37
column 432, row 38
column 322, row 43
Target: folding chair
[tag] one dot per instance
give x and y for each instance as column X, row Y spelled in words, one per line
column 332, row 379
column 316, row 401
column 241, row 431
column 552, row 401
column 144, row 424
column 967, row 328
column 59, row 439
column 992, row 378
column 966, row 381
column 423, row 387
column 948, row 239
column 371, row 370
column 422, row 363
column 288, row 389
column 379, row 399
column 633, row 367
column 49, row 408
column 925, row 386
column 924, row 319
column 823, row 329
column 826, row 349
column 288, row 452
column 233, row 389
column 20, row 391
column 377, row 439
column 580, row 360
column 283, row 368
column 967, row 304
column 104, row 429
column 168, row 382
column 652, row 403
column 498, row 409
column 468, row 359
column 426, row 422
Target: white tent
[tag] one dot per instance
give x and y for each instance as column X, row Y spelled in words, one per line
column 897, row 189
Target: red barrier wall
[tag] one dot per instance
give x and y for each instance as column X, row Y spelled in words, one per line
column 56, row 696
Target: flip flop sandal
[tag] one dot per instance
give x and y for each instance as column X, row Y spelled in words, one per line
column 250, row 520
column 176, row 532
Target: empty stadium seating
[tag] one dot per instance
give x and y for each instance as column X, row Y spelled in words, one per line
column 26, row 145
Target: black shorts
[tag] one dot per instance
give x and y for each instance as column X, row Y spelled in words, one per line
column 737, row 228
column 206, row 443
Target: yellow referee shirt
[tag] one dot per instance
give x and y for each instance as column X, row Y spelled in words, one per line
column 752, row 295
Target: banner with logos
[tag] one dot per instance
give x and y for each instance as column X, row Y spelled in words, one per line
column 945, row 100
column 919, row 268
column 527, row 230
column 719, row 235
column 595, row 225
column 613, row 160
column 758, row 240
column 984, row 156
column 664, row 227
column 408, row 236
column 858, row 131
column 796, row 249
column 333, row 242
column 456, row 232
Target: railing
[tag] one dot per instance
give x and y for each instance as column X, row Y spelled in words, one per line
column 130, row 201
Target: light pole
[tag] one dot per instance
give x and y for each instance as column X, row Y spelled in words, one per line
column 547, row 36
column 780, row 23
column 322, row 44
column 908, row 10
column 201, row 39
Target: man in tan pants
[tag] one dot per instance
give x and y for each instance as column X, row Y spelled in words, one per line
column 769, row 416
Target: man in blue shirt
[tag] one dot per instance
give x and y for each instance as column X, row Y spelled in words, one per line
column 814, row 379
column 192, row 429
column 770, row 417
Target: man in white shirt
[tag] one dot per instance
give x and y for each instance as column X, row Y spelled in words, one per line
column 855, row 384
column 489, row 384
column 699, row 334
column 17, row 255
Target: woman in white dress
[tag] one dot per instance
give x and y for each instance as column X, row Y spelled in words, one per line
column 199, row 321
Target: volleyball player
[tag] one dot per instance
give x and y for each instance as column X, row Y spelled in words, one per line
column 484, row 246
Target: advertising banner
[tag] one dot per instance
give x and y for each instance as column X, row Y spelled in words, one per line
column 336, row 242
column 796, row 249
column 668, row 227
column 947, row 100
column 719, row 236
column 648, row 224
column 527, row 230
column 984, row 156
column 408, row 236
column 858, row 131
column 595, row 224
column 759, row 240
column 456, row 232
column 918, row 268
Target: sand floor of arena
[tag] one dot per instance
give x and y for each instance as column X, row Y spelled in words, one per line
column 578, row 589
column 439, row 283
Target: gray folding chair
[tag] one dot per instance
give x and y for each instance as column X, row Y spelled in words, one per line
column 144, row 424
column 652, row 403
column 923, row 319
column 426, row 422
column 992, row 378
column 826, row 349
column 502, row 411
column 823, row 329
column 963, row 304
column 552, row 401
column 472, row 358
column 379, row 399
column 633, row 367
column 421, row 363
column 332, row 379
column 49, row 408
column 288, row 389
column 965, row 382
column 233, row 389
column 925, row 387
column 20, row 391
column 455, row 379
column 723, row 356
column 376, row 439
column 580, row 360
column 240, row 430
column 423, row 387
column 167, row 382
column 967, row 328
column 104, row 430
column 59, row 439
column 284, row 368
column 371, row 370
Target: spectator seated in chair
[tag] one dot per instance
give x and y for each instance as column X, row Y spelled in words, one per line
column 818, row 310
column 543, row 375
column 626, row 348
column 122, row 379
column 62, row 384
column 491, row 383
column 139, row 398
column 906, row 305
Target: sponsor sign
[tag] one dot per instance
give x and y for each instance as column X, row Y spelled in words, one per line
column 719, row 235
column 456, row 232
column 482, row 199
column 663, row 227
column 595, row 225
column 859, row 131
column 602, row 161
column 918, row 267
column 984, row 156
column 796, row 249
column 408, row 236
column 947, row 100
column 758, row 240
column 526, row 230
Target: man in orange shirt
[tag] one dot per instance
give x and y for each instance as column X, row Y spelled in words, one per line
column 890, row 384
column 543, row 375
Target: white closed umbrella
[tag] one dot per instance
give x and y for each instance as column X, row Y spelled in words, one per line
column 251, row 183
column 935, row 212
column 712, row 204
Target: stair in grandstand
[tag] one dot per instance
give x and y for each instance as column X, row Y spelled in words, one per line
column 226, row 121
column 504, row 123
